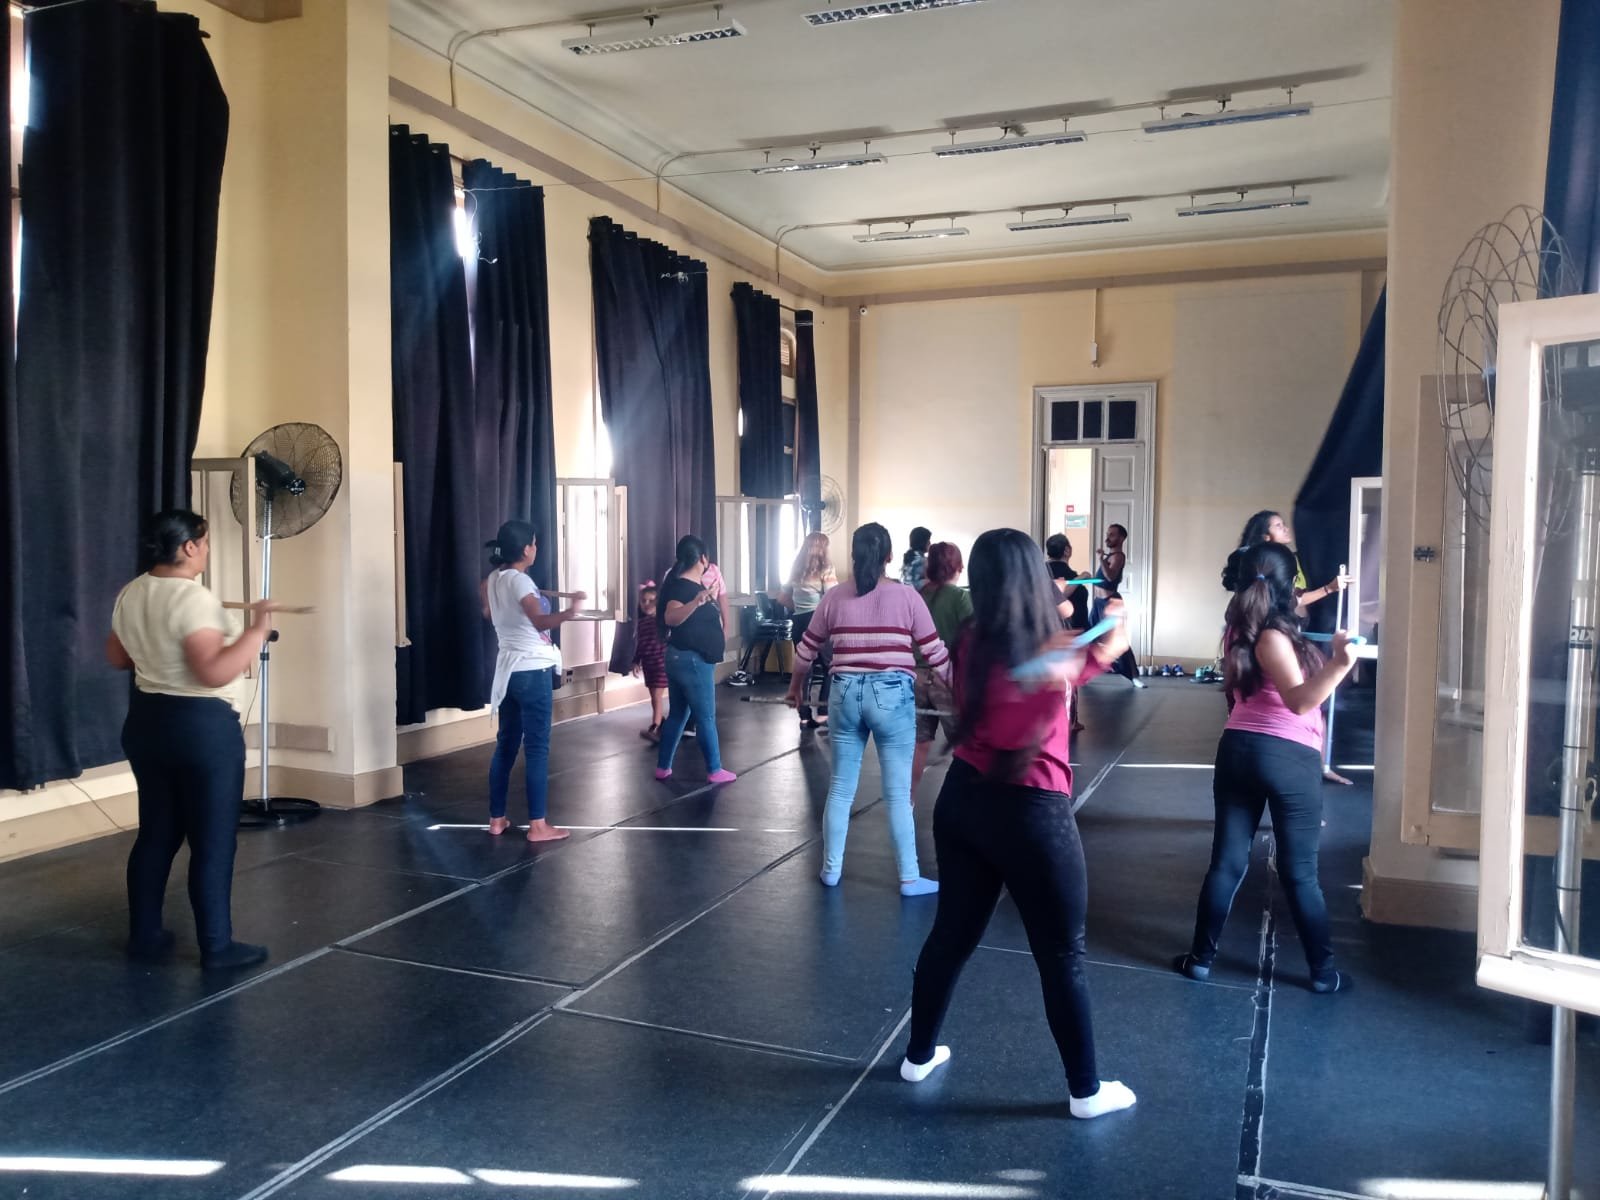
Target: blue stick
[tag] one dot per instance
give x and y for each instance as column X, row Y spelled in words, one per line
column 1041, row 665
column 1357, row 640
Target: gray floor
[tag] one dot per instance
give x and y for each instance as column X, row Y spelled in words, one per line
column 668, row 1005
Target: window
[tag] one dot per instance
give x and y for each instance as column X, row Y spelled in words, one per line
column 756, row 543
column 591, row 528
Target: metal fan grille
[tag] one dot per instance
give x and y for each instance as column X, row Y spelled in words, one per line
column 1519, row 257
column 832, row 505
column 314, row 456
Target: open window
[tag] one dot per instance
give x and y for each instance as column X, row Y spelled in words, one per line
column 1539, row 680
column 757, row 540
column 592, row 527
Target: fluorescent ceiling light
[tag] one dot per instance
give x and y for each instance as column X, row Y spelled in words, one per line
column 1067, row 221
column 837, row 163
column 647, row 33
column 1066, row 137
column 914, row 235
column 1226, row 116
column 1243, row 205
column 889, row 8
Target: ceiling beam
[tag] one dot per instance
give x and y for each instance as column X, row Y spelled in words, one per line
column 262, row 11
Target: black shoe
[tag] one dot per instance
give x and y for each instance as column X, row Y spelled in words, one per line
column 1190, row 967
column 233, row 956
column 153, row 950
column 1333, row 981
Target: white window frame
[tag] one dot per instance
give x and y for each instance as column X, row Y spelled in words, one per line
column 608, row 597
column 735, row 527
column 1505, row 964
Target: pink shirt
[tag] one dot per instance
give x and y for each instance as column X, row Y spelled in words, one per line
column 875, row 632
column 1264, row 711
column 1018, row 719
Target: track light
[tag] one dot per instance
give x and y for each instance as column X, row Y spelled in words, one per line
column 785, row 166
column 1226, row 116
column 887, row 8
column 1067, row 137
column 1243, row 205
column 1067, row 221
column 659, row 30
column 908, row 234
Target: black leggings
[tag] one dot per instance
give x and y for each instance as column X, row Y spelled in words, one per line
column 1256, row 771
column 817, row 676
column 992, row 835
column 187, row 754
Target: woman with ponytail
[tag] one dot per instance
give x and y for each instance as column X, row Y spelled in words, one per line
column 875, row 627
column 690, row 622
column 524, row 672
column 1270, row 757
column 1004, row 816
column 182, row 736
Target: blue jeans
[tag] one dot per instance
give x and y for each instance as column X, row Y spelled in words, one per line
column 525, row 718
column 691, row 689
column 883, row 704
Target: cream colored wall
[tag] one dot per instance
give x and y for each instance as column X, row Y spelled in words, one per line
column 1473, row 82
column 1247, row 374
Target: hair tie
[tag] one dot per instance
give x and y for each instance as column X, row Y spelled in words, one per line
column 648, row 583
column 1263, row 578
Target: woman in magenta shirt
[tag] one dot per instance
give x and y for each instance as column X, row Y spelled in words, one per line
column 1004, row 816
column 1270, row 757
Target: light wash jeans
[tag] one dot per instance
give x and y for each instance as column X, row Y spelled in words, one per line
column 883, row 704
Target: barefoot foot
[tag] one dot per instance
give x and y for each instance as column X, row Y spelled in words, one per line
column 543, row 831
column 498, row 825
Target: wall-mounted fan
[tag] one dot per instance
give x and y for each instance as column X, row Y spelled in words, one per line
column 830, row 511
column 298, row 473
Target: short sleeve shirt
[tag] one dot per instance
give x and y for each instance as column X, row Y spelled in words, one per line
column 152, row 617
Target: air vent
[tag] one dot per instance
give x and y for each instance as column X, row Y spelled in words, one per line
column 889, row 8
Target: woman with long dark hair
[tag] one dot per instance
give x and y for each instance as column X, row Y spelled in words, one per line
column 182, row 736
column 951, row 608
column 690, row 621
column 875, row 627
column 1270, row 757
column 810, row 579
column 1004, row 816
column 523, row 691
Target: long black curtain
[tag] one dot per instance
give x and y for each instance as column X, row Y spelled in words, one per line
column 652, row 341
column 763, row 467
column 1351, row 448
column 807, row 438
column 435, row 435
column 15, row 732
column 121, row 180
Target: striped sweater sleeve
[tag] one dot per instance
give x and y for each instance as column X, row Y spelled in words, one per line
column 927, row 637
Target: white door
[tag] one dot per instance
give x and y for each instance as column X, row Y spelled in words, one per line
column 1120, row 499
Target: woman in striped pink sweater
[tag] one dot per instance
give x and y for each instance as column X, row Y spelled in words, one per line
column 872, row 625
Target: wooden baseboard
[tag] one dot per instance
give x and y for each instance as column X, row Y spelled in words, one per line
column 1390, row 901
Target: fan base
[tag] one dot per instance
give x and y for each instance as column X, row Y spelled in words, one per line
column 276, row 812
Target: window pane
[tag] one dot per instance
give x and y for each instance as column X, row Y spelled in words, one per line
column 1093, row 420
column 1124, row 420
column 1064, row 421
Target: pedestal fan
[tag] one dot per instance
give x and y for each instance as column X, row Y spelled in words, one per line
column 298, row 473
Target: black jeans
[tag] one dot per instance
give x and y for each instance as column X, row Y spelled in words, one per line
column 187, row 755
column 992, row 835
column 1256, row 771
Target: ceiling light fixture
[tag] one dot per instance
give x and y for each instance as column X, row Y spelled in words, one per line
column 1227, row 116
column 888, row 8
column 660, row 30
column 1242, row 205
column 1067, row 137
column 908, row 234
column 786, row 166
column 1067, row 221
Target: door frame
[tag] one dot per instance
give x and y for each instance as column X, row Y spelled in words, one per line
column 1142, row 570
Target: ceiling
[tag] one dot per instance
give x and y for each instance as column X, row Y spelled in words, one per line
column 971, row 68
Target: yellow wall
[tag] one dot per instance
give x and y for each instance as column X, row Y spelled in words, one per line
column 1247, row 374
column 1473, row 82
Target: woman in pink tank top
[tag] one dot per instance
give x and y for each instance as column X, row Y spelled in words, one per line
column 1270, row 757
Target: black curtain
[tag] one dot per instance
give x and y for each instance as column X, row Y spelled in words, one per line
column 652, row 342
column 15, row 741
column 807, row 439
column 1351, row 448
column 763, row 467
column 122, row 175
column 435, row 435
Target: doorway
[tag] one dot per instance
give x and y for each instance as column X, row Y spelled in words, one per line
column 1094, row 468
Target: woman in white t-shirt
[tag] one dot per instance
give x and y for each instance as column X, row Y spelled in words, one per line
column 523, row 669
column 182, row 735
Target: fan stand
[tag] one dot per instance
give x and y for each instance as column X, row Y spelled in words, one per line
column 267, row 811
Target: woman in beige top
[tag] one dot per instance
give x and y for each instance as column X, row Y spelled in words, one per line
column 182, row 736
